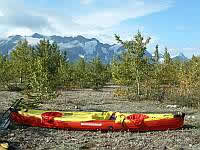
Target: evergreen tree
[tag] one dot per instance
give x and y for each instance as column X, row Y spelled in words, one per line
column 6, row 71
column 82, row 76
column 156, row 55
column 21, row 59
column 98, row 73
column 167, row 58
column 50, row 58
column 122, row 73
column 65, row 71
column 169, row 70
column 135, row 57
column 194, row 71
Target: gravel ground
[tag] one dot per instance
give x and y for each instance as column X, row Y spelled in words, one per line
column 28, row 138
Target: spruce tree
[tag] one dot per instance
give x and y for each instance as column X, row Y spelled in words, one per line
column 82, row 73
column 167, row 58
column 21, row 59
column 156, row 55
column 135, row 58
column 98, row 73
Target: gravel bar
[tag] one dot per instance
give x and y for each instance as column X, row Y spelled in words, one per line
column 34, row 138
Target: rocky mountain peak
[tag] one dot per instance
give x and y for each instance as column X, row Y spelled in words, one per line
column 75, row 46
column 37, row 35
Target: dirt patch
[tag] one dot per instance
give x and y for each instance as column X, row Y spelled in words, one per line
column 23, row 137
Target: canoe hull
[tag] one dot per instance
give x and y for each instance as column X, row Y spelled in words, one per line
column 161, row 124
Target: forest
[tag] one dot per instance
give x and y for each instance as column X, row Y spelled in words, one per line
column 40, row 72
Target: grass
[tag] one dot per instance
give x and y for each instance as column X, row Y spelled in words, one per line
column 172, row 94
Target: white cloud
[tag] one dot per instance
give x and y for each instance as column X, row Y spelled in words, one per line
column 24, row 20
column 10, row 7
column 102, row 22
column 86, row 2
column 19, row 31
column 59, row 25
column 16, row 18
column 112, row 16
column 1, row 14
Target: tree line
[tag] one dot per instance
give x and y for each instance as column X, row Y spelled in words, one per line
column 149, row 79
column 41, row 70
column 44, row 68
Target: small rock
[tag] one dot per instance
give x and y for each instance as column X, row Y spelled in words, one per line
column 171, row 106
column 164, row 148
column 4, row 146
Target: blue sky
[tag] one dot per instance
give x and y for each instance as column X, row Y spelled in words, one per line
column 174, row 24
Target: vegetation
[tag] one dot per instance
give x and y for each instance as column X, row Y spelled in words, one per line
column 134, row 61
column 40, row 71
column 150, row 79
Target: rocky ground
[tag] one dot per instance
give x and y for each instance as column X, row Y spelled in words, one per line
column 28, row 138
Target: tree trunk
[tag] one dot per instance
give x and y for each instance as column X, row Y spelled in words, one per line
column 21, row 77
column 138, row 83
column 138, row 88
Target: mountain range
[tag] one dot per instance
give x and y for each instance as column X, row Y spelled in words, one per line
column 76, row 47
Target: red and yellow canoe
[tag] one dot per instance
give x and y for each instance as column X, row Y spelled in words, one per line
column 105, row 121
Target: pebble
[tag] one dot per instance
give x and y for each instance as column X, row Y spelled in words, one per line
column 171, row 106
column 4, row 146
column 42, row 138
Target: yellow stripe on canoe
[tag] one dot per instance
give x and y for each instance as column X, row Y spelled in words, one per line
column 89, row 116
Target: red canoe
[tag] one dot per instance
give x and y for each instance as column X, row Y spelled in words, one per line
column 105, row 121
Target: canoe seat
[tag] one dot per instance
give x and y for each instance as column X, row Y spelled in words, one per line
column 81, row 117
column 102, row 116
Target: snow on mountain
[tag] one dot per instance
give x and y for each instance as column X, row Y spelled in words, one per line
column 81, row 56
column 90, row 46
column 76, row 47
column 33, row 41
column 116, row 49
column 71, row 44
